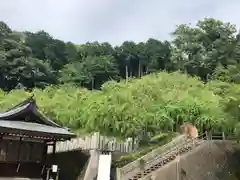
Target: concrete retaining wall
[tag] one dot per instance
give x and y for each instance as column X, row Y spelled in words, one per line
column 216, row 160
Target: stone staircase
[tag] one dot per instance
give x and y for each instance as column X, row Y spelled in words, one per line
column 157, row 159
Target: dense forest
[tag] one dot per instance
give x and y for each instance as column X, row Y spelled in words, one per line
column 123, row 90
column 211, row 50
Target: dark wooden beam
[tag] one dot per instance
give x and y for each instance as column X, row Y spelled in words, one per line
column 33, row 137
column 54, row 152
column 19, row 149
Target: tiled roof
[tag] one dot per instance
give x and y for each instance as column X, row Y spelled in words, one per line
column 26, row 126
column 9, row 119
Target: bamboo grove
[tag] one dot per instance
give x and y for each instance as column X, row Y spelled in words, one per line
column 155, row 103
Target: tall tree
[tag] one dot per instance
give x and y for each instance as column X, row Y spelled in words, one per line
column 92, row 71
column 17, row 65
column 44, row 47
column 198, row 50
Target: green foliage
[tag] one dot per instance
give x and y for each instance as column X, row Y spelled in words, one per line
column 154, row 103
column 198, row 50
column 230, row 73
column 230, row 101
column 91, row 70
column 160, row 137
column 210, row 50
column 18, row 66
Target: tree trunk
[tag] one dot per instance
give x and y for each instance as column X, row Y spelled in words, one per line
column 92, row 83
column 139, row 69
column 126, row 72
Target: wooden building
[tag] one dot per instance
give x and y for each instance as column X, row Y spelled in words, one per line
column 25, row 136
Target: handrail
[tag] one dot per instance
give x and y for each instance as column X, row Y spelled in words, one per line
column 221, row 137
column 157, row 150
column 153, row 159
column 174, row 149
column 162, row 150
column 160, row 157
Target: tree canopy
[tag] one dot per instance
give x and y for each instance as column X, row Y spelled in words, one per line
column 209, row 50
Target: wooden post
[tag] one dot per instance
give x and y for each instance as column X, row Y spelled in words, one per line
column 54, row 152
column 177, row 167
column 48, row 174
column 207, row 136
column 118, row 173
column 44, row 153
column 44, row 157
column 223, row 135
column 19, row 151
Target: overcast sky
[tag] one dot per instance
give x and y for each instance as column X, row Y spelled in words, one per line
column 113, row 21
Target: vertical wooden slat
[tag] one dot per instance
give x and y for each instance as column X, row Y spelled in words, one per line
column 96, row 141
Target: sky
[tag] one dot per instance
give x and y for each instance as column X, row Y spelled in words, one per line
column 112, row 21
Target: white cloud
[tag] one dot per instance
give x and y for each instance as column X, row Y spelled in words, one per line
column 112, row 20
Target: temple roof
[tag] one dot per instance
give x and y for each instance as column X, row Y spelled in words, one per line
column 26, row 117
column 33, row 127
